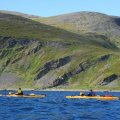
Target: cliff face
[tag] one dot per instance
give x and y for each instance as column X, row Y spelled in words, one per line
column 38, row 55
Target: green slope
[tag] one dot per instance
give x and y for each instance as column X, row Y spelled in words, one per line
column 38, row 55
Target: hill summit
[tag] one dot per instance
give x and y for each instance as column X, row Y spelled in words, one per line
column 87, row 22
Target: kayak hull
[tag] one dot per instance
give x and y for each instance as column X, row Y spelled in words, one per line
column 93, row 97
column 27, row 96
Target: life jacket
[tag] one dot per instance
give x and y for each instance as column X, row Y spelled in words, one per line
column 91, row 94
column 20, row 92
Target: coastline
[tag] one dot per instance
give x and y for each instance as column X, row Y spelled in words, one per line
column 85, row 90
column 79, row 90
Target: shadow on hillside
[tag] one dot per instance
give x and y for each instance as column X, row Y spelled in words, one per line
column 117, row 20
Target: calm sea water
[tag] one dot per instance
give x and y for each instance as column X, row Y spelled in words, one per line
column 56, row 107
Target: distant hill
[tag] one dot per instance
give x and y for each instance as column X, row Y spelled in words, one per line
column 87, row 22
column 72, row 51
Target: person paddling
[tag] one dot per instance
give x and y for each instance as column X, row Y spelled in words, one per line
column 91, row 93
column 19, row 92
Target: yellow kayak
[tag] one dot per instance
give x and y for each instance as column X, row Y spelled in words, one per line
column 93, row 97
column 27, row 96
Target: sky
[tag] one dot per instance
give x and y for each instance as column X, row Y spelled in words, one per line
column 46, row 8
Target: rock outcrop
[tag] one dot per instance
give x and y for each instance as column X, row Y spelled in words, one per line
column 51, row 65
column 109, row 79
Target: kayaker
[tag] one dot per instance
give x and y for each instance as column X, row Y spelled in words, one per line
column 91, row 93
column 19, row 92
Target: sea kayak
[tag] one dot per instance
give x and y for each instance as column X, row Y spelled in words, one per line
column 93, row 97
column 27, row 96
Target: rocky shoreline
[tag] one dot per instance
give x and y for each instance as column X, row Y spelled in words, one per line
column 97, row 90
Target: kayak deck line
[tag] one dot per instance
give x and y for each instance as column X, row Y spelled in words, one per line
column 26, row 96
column 93, row 97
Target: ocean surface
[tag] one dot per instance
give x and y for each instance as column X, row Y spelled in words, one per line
column 56, row 107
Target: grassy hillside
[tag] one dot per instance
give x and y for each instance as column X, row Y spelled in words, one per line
column 43, row 53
